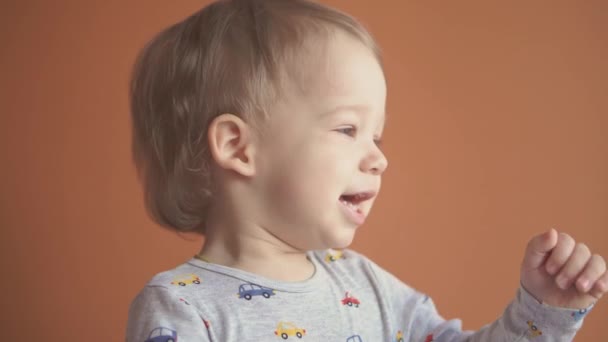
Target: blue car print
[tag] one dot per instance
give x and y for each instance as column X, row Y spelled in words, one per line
column 162, row 334
column 579, row 314
column 249, row 290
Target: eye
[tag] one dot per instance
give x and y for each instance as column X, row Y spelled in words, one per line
column 378, row 142
column 348, row 130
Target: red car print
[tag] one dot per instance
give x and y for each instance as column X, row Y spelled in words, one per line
column 429, row 338
column 350, row 300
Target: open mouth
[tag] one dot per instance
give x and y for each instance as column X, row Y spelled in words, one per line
column 352, row 203
column 356, row 198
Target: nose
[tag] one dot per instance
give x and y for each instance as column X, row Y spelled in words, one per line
column 374, row 162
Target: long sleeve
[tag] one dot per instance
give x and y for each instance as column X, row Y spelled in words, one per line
column 524, row 319
column 157, row 314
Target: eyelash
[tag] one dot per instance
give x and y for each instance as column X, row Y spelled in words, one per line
column 353, row 131
column 349, row 129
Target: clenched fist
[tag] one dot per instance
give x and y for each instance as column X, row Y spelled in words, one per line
column 560, row 272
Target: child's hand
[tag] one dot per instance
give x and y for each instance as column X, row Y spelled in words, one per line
column 560, row 272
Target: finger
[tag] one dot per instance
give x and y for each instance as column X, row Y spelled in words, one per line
column 594, row 269
column 560, row 254
column 538, row 249
column 574, row 266
column 600, row 287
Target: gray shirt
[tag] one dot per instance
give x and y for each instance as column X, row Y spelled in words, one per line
column 348, row 299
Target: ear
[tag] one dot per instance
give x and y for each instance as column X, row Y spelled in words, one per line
column 231, row 144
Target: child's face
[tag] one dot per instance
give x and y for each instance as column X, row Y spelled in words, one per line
column 321, row 146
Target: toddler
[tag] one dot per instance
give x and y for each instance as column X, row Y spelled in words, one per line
column 258, row 123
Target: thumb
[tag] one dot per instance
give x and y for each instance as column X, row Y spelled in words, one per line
column 539, row 248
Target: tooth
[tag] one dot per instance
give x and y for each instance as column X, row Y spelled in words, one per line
column 349, row 204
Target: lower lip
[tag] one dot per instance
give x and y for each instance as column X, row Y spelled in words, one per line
column 355, row 216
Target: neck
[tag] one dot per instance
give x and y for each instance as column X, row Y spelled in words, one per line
column 250, row 247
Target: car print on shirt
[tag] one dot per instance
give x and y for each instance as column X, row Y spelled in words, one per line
column 286, row 329
column 334, row 255
column 533, row 330
column 162, row 334
column 579, row 314
column 186, row 279
column 249, row 290
column 429, row 338
column 350, row 300
column 354, row 338
column 399, row 337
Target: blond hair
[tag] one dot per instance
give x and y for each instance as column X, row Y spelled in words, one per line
column 229, row 57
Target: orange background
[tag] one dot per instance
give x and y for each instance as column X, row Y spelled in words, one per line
column 498, row 129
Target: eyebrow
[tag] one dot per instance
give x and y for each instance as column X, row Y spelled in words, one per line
column 357, row 108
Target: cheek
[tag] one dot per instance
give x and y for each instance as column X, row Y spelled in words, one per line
column 306, row 183
column 311, row 170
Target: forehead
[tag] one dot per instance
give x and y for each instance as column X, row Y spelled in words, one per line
column 337, row 75
column 348, row 77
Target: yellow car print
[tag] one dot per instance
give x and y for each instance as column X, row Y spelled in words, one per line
column 534, row 332
column 400, row 336
column 334, row 255
column 186, row 279
column 286, row 329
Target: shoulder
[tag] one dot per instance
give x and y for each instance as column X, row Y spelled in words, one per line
column 163, row 307
column 179, row 277
column 169, row 284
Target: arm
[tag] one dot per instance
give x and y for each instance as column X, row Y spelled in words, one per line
column 524, row 319
column 156, row 311
column 545, row 308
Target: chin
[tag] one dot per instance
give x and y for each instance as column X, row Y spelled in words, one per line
column 342, row 239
